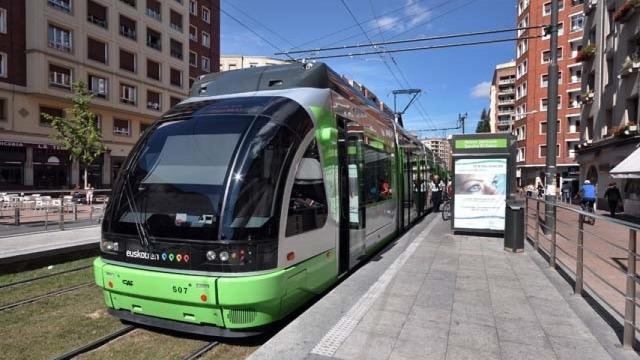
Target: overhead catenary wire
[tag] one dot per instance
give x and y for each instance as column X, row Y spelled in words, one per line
column 419, row 48
column 420, row 39
column 219, row 8
column 244, row 13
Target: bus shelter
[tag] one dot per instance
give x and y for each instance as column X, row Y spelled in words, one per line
column 483, row 178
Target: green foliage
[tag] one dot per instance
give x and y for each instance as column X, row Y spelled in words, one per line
column 77, row 132
column 484, row 125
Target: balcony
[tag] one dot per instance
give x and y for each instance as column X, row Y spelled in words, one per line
column 60, row 5
column 506, row 91
column 154, row 13
column 507, row 82
column 153, row 106
column 97, row 21
column 631, row 65
column 128, row 32
column 177, row 27
column 64, row 47
column 505, row 112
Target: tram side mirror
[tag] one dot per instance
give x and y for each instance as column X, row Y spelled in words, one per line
column 309, row 170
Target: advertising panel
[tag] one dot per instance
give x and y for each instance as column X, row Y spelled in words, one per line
column 480, row 193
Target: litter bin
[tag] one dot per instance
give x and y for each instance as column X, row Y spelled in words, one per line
column 514, row 226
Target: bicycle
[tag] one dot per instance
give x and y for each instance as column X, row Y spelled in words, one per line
column 446, row 208
column 588, row 207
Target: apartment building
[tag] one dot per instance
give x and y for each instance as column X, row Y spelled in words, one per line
column 532, row 60
column 502, row 98
column 234, row 62
column 441, row 148
column 611, row 93
column 132, row 54
column 204, row 38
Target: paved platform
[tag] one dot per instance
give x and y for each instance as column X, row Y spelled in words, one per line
column 38, row 245
column 432, row 295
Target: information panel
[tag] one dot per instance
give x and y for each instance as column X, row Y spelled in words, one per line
column 480, row 193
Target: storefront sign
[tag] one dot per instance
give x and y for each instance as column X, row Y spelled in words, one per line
column 494, row 143
column 20, row 144
column 480, row 193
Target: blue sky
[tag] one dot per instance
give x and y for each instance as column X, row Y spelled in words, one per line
column 454, row 80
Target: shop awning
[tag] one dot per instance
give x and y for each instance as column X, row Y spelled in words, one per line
column 628, row 168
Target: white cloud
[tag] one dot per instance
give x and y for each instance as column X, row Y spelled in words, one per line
column 387, row 22
column 481, row 90
column 416, row 13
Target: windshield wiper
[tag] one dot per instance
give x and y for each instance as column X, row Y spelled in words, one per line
column 139, row 221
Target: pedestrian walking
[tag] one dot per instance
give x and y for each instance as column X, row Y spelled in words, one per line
column 566, row 192
column 540, row 191
column 436, row 193
column 89, row 190
column 613, row 196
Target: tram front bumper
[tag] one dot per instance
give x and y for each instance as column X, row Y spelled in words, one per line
column 141, row 295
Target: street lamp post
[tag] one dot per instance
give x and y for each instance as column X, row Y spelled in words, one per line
column 552, row 117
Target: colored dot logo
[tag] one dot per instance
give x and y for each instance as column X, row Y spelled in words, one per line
column 170, row 257
column 164, row 256
column 178, row 257
column 185, row 257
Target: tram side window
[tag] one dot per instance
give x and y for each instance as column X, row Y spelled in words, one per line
column 308, row 202
column 377, row 175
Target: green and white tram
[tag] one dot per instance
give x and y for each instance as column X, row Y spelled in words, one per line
column 253, row 196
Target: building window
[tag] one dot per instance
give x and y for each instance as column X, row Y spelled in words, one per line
column 3, row 21
column 175, row 21
column 144, row 127
column 193, row 33
column 206, row 14
column 97, row 122
column 98, row 86
column 128, row 94
column 546, row 36
column 153, row 100
column 193, row 59
column 128, row 27
column 577, row 22
column 154, row 39
column 546, row 9
column 3, row 65
column 543, row 127
column 121, row 127
column 377, row 171
column 546, row 55
column 131, row 3
column 97, row 50
column 175, row 49
column 55, row 112
column 59, row 76
column 176, row 77
column 544, row 103
column 127, row 61
column 173, row 101
column 193, row 7
column 205, row 63
column 542, row 151
column 154, row 9
column 206, row 39
column 154, row 70
column 59, row 39
column 544, row 79
column 62, row 5
column 96, row 14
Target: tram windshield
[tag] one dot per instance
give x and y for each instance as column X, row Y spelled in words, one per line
column 177, row 183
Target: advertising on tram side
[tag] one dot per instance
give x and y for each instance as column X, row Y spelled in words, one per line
column 480, row 193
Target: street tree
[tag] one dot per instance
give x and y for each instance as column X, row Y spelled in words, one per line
column 77, row 132
column 484, row 125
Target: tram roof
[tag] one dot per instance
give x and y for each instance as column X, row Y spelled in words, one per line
column 282, row 77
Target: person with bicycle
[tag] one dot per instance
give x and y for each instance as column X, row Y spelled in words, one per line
column 587, row 195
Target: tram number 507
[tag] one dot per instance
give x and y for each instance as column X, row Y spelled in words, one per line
column 179, row 289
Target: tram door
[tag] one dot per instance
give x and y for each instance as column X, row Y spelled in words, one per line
column 343, row 186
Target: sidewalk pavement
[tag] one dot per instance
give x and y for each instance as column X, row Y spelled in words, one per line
column 433, row 295
column 30, row 246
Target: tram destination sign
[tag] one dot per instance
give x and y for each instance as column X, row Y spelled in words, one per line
column 491, row 143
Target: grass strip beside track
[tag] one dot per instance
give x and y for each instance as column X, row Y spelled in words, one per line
column 33, row 289
column 26, row 275
column 52, row 326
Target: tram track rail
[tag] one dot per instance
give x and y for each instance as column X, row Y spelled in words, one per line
column 202, row 350
column 25, row 281
column 45, row 296
column 96, row 343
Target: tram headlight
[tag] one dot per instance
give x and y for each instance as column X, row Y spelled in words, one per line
column 211, row 255
column 109, row 246
column 224, row 256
